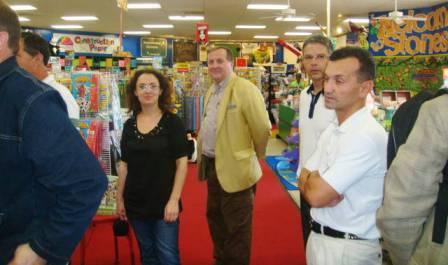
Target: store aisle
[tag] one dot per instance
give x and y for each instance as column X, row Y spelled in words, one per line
column 276, row 228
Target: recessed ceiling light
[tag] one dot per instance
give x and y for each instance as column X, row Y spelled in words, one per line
column 267, row 6
column 309, row 28
column 22, row 7
column 298, row 33
column 192, row 18
column 217, row 32
column 265, row 37
column 79, row 18
column 250, row 26
column 24, row 19
column 158, row 26
column 67, row 26
column 137, row 32
column 293, row 19
column 144, row 6
column 361, row 20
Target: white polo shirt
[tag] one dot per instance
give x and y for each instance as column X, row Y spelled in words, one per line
column 351, row 158
column 312, row 122
column 72, row 105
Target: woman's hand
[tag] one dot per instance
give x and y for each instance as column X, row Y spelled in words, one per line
column 121, row 211
column 171, row 211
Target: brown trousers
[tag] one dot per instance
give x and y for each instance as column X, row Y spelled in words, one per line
column 229, row 217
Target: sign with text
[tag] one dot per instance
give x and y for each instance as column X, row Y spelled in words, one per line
column 86, row 43
column 151, row 47
column 410, row 37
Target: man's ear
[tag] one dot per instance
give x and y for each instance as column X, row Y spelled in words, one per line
column 366, row 88
column 38, row 58
column 4, row 38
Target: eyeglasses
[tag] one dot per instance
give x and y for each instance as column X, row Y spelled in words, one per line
column 144, row 87
column 319, row 57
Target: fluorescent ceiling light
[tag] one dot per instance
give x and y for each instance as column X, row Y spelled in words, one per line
column 22, row 7
column 144, row 6
column 265, row 37
column 137, row 32
column 216, row 32
column 193, row 18
column 79, row 18
column 267, row 6
column 250, row 26
column 24, row 19
column 360, row 20
column 298, row 33
column 158, row 26
column 67, row 26
column 293, row 19
column 309, row 27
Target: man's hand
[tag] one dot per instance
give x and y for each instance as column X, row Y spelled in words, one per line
column 24, row 255
column 304, row 175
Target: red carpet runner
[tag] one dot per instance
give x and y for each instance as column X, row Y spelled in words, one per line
column 277, row 238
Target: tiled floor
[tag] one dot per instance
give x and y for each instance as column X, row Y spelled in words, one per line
column 275, row 147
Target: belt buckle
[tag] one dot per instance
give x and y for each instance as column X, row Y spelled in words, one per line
column 351, row 236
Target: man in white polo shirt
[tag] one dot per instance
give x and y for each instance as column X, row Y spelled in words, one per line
column 343, row 180
column 314, row 117
column 33, row 56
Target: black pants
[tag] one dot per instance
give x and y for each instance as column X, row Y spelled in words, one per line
column 306, row 219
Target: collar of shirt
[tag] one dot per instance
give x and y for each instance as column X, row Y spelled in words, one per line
column 219, row 87
column 50, row 78
column 311, row 89
column 7, row 66
column 352, row 120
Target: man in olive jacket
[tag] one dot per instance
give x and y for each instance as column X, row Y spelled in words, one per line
column 412, row 183
column 234, row 135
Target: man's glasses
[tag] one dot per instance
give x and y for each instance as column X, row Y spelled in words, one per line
column 144, row 87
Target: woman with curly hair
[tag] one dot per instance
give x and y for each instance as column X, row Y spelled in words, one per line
column 153, row 168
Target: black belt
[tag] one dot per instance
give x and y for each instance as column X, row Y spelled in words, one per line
column 328, row 231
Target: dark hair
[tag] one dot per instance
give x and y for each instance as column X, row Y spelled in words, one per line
column 34, row 44
column 9, row 22
column 229, row 55
column 165, row 100
column 319, row 39
column 366, row 69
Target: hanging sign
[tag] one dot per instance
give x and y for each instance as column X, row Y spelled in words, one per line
column 86, row 43
column 202, row 32
column 410, row 37
column 151, row 47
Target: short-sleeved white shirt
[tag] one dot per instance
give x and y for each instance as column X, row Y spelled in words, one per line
column 351, row 158
column 72, row 106
column 311, row 124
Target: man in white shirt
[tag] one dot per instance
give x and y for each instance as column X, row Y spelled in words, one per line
column 33, row 56
column 314, row 117
column 343, row 180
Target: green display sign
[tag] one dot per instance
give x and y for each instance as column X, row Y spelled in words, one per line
column 151, row 47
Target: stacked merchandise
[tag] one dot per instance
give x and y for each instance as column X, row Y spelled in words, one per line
column 190, row 81
column 253, row 74
column 100, row 123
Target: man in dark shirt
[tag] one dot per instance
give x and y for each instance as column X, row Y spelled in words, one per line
column 51, row 183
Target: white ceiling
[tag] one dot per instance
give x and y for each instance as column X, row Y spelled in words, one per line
column 220, row 14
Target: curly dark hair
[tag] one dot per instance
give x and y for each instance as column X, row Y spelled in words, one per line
column 165, row 100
